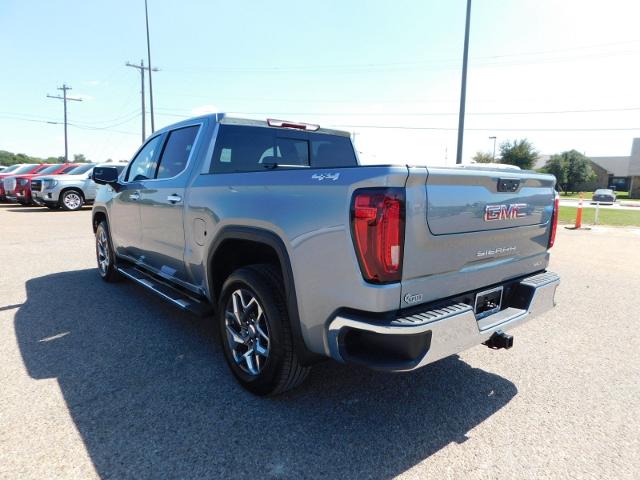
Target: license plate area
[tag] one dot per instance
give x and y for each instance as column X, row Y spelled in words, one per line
column 488, row 302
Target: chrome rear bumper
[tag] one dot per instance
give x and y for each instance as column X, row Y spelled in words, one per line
column 412, row 341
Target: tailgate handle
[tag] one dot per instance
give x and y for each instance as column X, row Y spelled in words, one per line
column 508, row 184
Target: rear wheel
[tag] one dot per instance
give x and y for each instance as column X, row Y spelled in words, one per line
column 71, row 200
column 255, row 331
column 104, row 254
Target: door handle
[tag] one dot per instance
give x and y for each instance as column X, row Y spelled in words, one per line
column 174, row 198
column 134, row 196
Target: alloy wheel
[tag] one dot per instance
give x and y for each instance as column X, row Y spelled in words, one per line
column 247, row 331
column 72, row 201
column 103, row 251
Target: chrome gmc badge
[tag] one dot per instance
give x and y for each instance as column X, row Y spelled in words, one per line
column 504, row 212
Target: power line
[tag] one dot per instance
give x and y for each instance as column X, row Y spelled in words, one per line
column 427, row 114
column 75, row 125
column 434, row 62
column 64, row 98
column 399, row 127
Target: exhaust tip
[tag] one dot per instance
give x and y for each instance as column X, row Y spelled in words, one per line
column 500, row 340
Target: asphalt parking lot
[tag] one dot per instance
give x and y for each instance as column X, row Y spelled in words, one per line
column 105, row 381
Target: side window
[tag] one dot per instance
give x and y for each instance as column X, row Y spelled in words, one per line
column 248, row 149
column 242, row 149
column 143, row 166
column 176, row 151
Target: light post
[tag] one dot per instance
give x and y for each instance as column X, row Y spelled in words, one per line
column 494, row 147
column 463, row 88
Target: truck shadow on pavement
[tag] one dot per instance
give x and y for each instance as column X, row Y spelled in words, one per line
column 150, row 394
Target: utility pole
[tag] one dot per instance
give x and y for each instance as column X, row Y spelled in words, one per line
column 146, row 16
column 142, row 68
column 494, row 147
column 463, row 89
column 64, row 98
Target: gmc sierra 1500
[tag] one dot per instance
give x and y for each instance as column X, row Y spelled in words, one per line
column 298, row 253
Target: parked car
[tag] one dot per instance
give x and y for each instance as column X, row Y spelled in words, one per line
column 2, row 168
column 18, row 187
column 604, row 195
column 14, row 170
column 298, row 253
column 69, row 191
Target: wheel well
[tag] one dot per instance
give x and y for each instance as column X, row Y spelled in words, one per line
column 75, row 189
column 97, row 218
column 236, row 253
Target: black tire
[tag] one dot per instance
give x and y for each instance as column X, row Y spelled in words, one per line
column 106, row 270
column 280, row 370
column 71, row 200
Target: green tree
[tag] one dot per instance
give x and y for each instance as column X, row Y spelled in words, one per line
column 483, row 157
column 571, row 168
column 557, row 166
column 578, row 169
column 519, row 152
column 79, row 158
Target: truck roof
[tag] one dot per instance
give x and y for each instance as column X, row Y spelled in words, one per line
column 224, row 119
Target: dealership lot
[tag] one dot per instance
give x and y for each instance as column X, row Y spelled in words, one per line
column 105, row 381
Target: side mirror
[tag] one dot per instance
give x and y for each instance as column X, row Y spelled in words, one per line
column 106, row 176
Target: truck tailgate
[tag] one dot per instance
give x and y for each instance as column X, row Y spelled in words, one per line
column 467, row 229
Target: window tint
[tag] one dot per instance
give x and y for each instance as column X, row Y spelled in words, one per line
column 248, row 149
column 68, row 169
column 81, row 169
column 143, row 166
column 50, row 169
column 24, row 169
column 176, row 151
column 242, row 149
column 329, row 151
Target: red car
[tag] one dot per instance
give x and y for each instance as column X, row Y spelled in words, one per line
column 17, row 185
column 15, row 170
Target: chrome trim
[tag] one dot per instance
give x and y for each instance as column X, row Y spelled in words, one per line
column 152, row 286
column 454, row 328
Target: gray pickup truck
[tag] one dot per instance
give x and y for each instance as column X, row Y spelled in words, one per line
column 273, row 230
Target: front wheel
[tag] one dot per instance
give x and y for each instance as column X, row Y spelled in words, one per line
column 105, row 255
column 255, row 331
column 71, row 200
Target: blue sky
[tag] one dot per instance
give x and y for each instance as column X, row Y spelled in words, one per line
column 337, row 63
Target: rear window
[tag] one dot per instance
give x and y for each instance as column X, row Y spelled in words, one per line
column 50, row 169
column 251, row 149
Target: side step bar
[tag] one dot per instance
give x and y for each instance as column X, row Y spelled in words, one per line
column 177, row 297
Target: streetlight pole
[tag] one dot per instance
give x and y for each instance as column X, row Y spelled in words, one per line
column 463, row 88
column 494, row 147
column 146, row 16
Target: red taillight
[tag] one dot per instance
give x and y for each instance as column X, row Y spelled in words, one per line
column 554, row 220
column 377, row 226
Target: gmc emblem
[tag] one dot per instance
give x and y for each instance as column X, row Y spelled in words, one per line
column 504, row 212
